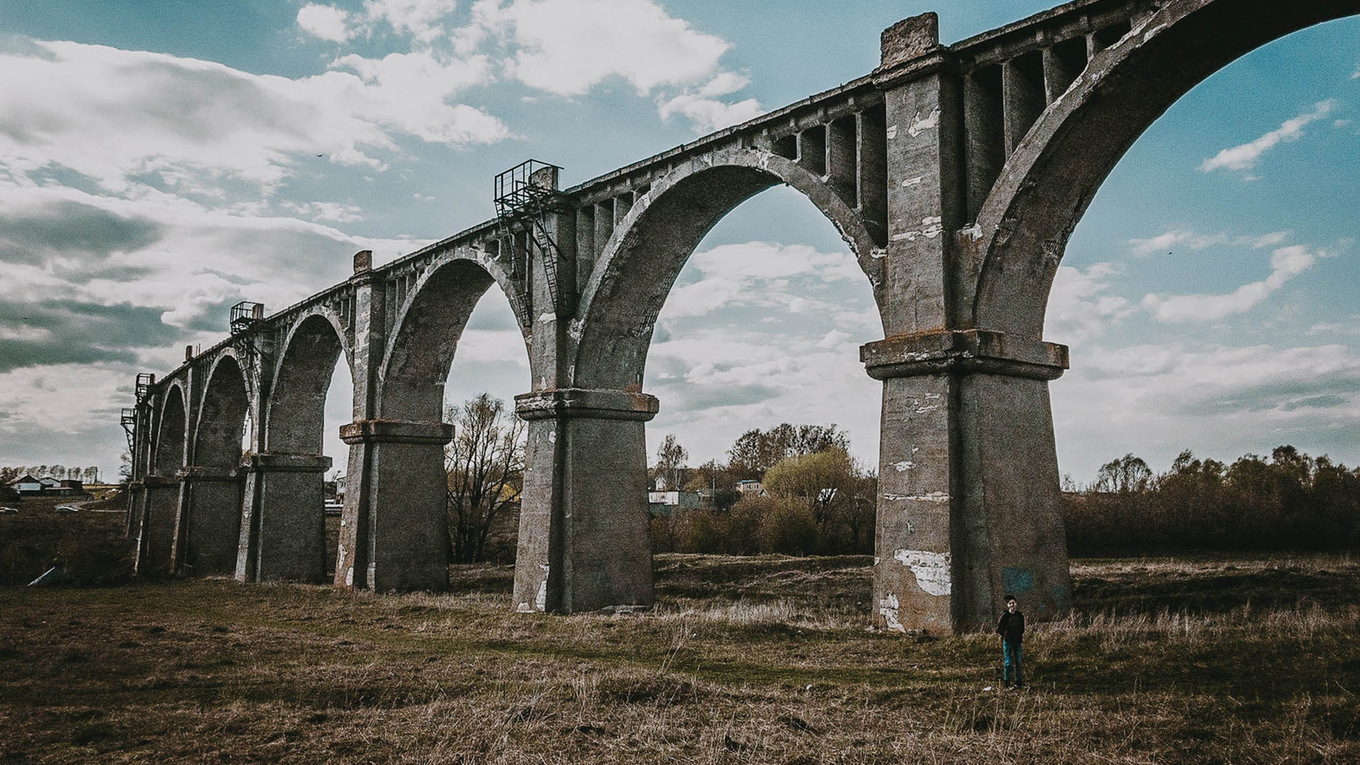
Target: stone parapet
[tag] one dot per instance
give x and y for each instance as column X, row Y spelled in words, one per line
column 972, row 351
column 585, row 403
column 396, row 432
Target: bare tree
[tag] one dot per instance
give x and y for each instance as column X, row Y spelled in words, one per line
column 484, row 465
column 670, row 462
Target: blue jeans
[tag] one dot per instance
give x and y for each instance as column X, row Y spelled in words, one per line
column 1010, row 663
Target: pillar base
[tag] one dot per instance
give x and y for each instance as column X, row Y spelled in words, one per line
column 283, row 526
column 210, row 529
column 156, row 530
column 584, row 536
column 969, row 502
column 394, row 529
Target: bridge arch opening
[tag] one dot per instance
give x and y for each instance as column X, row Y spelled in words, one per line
column 171, row 435
column 223, row 418
column 1054, row 173
column 484, row 463
column 403, row 539
column 296, row 410
column 1181, row 271
column 740, row 299
column 285, row 536
column 157, row 528
column 639, row 267
column 212, row 524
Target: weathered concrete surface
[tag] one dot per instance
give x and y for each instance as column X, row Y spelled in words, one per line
column 584, row 539
column 283, row 528
column 954, row 173
column 395, row 532
column 159, row 514
column 211, row 502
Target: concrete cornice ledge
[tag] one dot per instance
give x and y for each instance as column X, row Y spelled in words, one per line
column 586, row 403
column 396, row 432
column 970, row 351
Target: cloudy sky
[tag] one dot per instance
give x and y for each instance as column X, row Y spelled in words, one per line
column 160, row 161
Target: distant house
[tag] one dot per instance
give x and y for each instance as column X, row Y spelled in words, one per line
column 667, row 502
column 69, row 487
column 750, row 488
column 26, row 484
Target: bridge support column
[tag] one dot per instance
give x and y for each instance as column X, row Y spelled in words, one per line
column 969, row 502
column 208, row 531
column 394, row 531
column 584, row 540
column 283, row 524
column 158, row 515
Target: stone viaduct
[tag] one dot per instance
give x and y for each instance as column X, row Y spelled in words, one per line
column 954, row 173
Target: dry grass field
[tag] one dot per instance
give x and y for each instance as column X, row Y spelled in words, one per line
column 745, row 660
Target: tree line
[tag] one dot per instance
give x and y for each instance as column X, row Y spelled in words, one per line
column 1290, row 501
column 59, row 472
column 814, row 498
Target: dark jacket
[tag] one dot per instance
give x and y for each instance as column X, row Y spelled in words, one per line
column 1011, row 628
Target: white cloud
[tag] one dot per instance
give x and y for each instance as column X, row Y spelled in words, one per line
column 325, row 22
column 1245, row 156
column 1285, row 264
column 709, row 114
column 756, row 273
column 1185, row 238
column 327, row 211
column 568, row 46
column 564, row 47
column 118, row 117
column 1078, row 309
column 1174, row 396
column 411, row 92
column 53, row 398
column 275, row 260
column 414, row 17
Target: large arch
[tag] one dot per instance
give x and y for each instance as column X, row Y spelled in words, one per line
column 283, row 529
column 212, row 515
column 425, row 338
column 584, row 538
column 651, row 245
column 395, row 535
column 1051, row 178
column 171, row 433
column 161, row 509
column 294, row 414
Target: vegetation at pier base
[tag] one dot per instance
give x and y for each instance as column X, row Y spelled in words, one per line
column 803, row 495
column 761, row 659
column 1289, row 502
column 484, row 472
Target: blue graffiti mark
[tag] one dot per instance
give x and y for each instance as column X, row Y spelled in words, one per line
column 1015, row 580
column 1061, row 597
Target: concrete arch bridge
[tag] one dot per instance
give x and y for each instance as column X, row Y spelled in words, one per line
column 955, row 173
